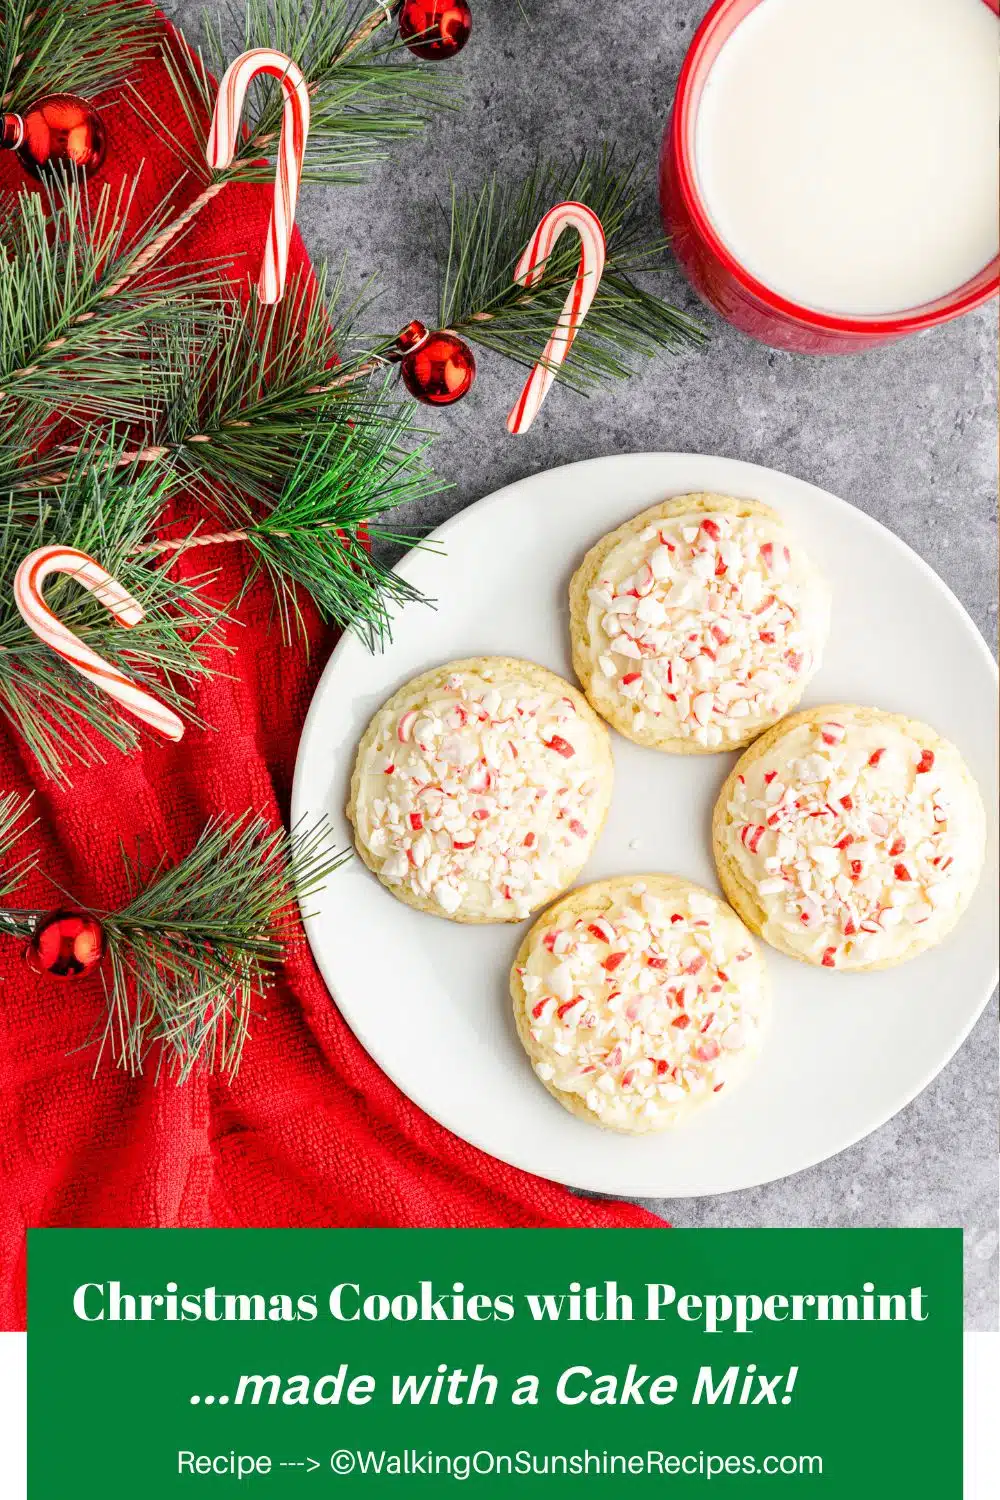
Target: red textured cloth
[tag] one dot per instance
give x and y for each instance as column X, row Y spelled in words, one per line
column 311, row 1132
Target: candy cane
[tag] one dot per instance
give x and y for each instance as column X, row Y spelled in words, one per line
column 224, row 136
column 529, row 268
column 38, row 617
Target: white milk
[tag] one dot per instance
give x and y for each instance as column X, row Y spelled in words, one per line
column 846, row 149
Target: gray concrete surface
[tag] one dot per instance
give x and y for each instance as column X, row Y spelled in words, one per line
column 906, row 433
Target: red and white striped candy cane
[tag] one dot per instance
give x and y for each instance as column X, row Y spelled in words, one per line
column 223, row 139
column 581, row 294
column 49, row 628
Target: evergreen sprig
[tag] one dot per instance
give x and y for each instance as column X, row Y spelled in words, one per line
column 74, row 328
column 489, row 229
column 322, row 531
column 197, row 943
column 240, row 399
column 107, row 511
column 13, row 810
column 70, row 46
column 364, row 94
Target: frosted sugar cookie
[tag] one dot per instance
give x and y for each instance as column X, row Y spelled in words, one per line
column 480, row 789
column 638, row 1001
column 697, row 624
column 849, row 837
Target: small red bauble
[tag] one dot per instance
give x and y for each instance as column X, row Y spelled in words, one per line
column 439, row 370
column 59, row 130
column 66, row 944
column 435, row 29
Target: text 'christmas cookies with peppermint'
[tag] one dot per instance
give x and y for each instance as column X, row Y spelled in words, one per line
column 480, row 789
column 850, row 838
column 698, row 624
column 639, row 1001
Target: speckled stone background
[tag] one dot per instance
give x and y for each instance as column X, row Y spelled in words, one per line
column 907, row 433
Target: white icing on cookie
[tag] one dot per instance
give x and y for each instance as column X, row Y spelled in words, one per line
column 705, row 625
column 481, row 796
column 644, row 1010
column 857, row 841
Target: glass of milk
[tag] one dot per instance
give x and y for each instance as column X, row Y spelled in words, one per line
column 829, row 173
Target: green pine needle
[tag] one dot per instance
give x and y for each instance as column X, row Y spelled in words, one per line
column 12, row 829
column 321, row 531
column 241, row 400
column 489, row 230
column 70, row 46
column 362, row 99
column 197, row 942
column 67, row 348
column 108, row 512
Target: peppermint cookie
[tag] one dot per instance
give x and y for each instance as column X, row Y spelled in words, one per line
column 849, row 837
column 639, row 1001
column 480, row 789
column 698, row 624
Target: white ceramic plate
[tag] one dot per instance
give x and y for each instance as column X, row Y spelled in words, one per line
column 428, row 998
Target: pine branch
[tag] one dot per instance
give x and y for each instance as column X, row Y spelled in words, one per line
column 70, row 46
column 73, row 339
column 320, row 532
column 488, row 231
column 260, row 386
column 107, row 512
column 362, row 98
column 12, row 829
column 197, row 943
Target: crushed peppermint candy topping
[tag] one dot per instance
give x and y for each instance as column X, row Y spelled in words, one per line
column 644, row 1009
column 858, row 840
column 485, row 796
column 707, row 624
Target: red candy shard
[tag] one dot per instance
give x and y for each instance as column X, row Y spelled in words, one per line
column 612, row 961
column 876, row 756
column 681, row 1021
column 925, row 762
column 416, row 821
column 829, row 959
column 901, row 872
column 560, row 746
column 568, row 1005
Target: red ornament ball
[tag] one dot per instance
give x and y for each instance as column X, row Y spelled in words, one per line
column 66, row 944
column 57, row 131
column 435, row 29
column 440, row 370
